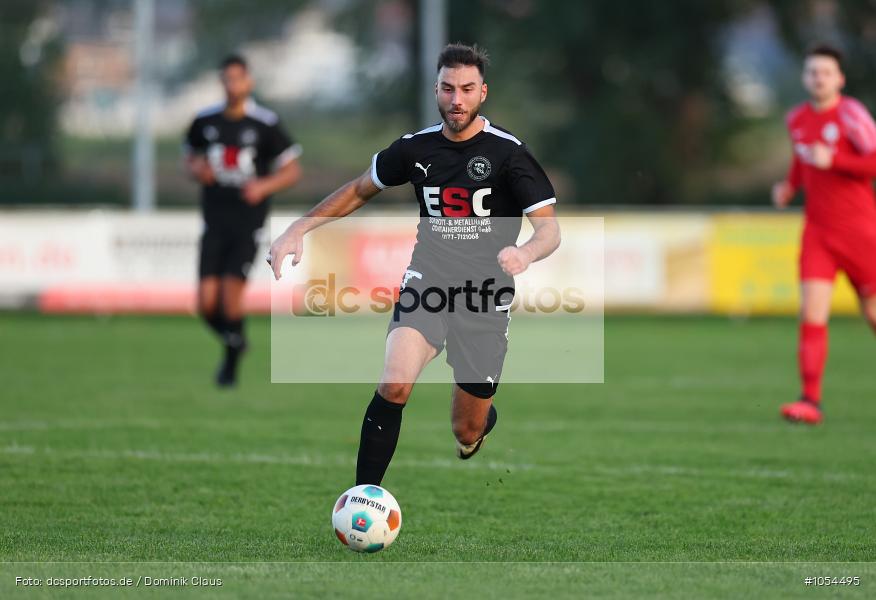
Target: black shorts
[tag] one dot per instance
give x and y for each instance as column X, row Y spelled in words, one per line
column 227, row 251
column 476, row 341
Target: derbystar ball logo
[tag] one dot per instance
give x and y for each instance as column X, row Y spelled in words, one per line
column 456, row 201
column 367, row 502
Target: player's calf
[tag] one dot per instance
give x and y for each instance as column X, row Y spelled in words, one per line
column 468, row 431
column 473, row 415
column 470, row 438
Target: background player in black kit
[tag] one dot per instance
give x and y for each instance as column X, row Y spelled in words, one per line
column 473, row 182
column 240, row 154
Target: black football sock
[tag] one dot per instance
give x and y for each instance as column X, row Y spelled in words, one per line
column 233, row 337
column 235, row 344
column 380, row 430
column 216, row 322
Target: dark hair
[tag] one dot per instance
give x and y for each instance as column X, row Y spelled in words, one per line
column 459, row 54
column 826, row 50
column 233, row 59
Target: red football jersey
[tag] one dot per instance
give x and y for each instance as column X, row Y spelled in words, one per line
column 841, row 197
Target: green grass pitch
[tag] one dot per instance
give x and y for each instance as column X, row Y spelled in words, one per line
column 675, row 478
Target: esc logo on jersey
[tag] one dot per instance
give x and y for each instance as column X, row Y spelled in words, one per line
column 233, row 165
column 455, row 201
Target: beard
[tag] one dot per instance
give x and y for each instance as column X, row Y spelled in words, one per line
column 457, row 126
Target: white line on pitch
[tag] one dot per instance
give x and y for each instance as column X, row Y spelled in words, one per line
column 302, row 460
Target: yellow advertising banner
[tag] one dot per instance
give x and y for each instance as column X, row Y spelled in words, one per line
column 753, row 266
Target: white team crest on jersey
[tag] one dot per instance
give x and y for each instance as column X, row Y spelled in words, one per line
column 211, row 134
column 232, row 165
column 830, row 132
column 479, row 168
column 425, row 169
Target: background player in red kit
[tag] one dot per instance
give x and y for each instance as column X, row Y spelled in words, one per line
column 834, row 140
column 240, row 154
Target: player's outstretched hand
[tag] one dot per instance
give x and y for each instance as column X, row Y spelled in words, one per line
column 820, row 156
column 783, row 193
column 201, row 170
column 290, row 242
column 253, row 192
column 513, row 260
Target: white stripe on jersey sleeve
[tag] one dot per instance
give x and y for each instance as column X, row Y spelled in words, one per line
column 260, row 113
column 213, row 109
column 498, row 132
column 374, row 178
column 437, row 127
column 288, row 155
column 538, row 205
column 860, row 126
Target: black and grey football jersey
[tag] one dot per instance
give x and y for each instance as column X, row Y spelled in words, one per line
column 472, row 195
column 238, row 150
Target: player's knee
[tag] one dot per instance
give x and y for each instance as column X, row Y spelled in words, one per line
column 395, row 392
column 815, row 313
column 208, row 308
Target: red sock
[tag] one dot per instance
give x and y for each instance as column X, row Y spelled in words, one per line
column 812, row 354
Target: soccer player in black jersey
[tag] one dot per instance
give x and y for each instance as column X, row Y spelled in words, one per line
column 473, row 182
column 240, row 154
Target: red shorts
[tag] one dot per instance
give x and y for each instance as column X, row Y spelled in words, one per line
column 823, row 253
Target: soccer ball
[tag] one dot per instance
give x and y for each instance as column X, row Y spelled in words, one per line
column 366, row 518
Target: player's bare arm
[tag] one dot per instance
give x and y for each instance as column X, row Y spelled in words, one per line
column 198, row 168
column 343, row 201
column 257, row 189
column 544, row 241
column 821, row 156
column 783, row 193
